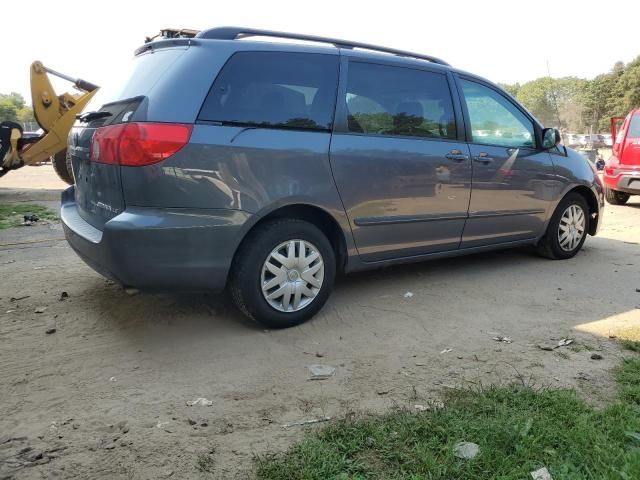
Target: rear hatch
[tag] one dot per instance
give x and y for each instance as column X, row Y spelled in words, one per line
column 630, row 154
column 98, row 186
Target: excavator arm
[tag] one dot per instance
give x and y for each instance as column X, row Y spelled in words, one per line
column 55, row 114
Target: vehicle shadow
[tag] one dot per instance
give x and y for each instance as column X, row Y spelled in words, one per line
column 485, row 289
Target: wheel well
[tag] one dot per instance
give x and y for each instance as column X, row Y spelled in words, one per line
column 592, row 202
column 318, row 217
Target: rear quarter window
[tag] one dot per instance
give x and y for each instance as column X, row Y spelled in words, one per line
column 634, row 127
column 274, row 89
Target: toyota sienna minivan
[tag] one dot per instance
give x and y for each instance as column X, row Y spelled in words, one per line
column 268, row 168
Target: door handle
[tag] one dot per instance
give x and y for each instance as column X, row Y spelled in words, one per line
column 457, row 156
column 483, row 158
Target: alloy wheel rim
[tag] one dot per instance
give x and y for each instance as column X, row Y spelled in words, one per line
column 292, row 275
column 571, row 228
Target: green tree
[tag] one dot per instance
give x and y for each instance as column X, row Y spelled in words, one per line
column 13, row 108
column 618, row 67
column 25, row 115
column 627, row 89
column 598, row 99
column 539, row 98
column 568, row 92
column 8, row 110
column 15, row 98
column 511, row 89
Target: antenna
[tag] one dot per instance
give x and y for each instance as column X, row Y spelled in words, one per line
column 553, row 95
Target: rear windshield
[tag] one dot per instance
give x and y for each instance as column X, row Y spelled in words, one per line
column 275, row 89
column 138, row 77
column 634, row 127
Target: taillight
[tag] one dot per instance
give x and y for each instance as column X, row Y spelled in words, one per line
column 105, row 144
column 138, row 144
column 610, row 168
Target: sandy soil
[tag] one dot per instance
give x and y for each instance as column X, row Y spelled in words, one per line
column 37, row 177
column 105, row 395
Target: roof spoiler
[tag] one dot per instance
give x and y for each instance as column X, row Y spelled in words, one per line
column 168, row 33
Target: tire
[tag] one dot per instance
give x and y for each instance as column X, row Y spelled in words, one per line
column 249, row 273
column 62, row 166
column 550, row 245
column 616, row 198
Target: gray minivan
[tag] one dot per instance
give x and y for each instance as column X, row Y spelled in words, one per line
column 271, row 167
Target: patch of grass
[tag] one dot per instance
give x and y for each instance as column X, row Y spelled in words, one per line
column 581, row 347
column 11, row 214
column 633, row 345
column 205, row 463
column 628, row 376
column 518, row 429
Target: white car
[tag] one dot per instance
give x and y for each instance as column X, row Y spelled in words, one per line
column 571, row 139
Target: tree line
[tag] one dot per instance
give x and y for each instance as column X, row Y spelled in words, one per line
column 577, row 105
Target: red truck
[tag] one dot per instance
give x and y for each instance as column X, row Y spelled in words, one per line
column 622, row 172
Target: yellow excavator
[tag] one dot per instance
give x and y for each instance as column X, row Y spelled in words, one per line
column 55, row 114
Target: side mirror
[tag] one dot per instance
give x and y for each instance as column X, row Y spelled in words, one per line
column 550, row 138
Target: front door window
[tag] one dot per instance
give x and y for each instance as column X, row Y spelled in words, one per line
column 494, row 119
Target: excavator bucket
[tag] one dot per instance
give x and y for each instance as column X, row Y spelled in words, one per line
column 55, row 114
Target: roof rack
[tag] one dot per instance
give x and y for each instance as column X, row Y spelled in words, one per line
column 234, row 33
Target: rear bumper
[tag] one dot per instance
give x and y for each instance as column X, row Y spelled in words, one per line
column 151, row 248
column 624, row 182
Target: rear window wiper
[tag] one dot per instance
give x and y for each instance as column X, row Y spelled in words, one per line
column 89, row 116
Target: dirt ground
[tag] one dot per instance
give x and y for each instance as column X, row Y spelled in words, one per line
column 105, row 395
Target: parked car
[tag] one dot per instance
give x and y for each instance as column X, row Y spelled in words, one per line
column 270, row 167
column 596, row 140
column 589, row 140
column 582, row 141
column 622, row 172
column 571, row 140
column 608, row 139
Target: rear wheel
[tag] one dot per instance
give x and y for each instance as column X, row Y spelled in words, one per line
column 567, row 229
column 615, row 198
column 62, row 166
column 283, row 273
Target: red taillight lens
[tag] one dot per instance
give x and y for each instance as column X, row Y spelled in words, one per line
column 610, row 168
column 105, row 144
column 138, row 144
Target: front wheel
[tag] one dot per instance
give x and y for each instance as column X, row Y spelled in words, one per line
column 283, row 273
column 567, row 229
column 615, row 198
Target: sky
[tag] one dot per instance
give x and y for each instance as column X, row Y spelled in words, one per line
column 504, row 41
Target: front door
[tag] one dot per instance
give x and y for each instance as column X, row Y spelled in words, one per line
column 513, row 181
column 403, row 176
